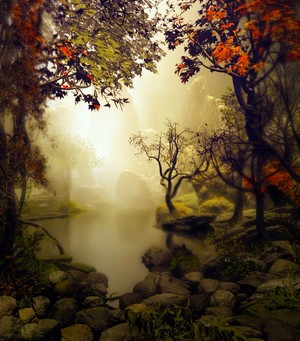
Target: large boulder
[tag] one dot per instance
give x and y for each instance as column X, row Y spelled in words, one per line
column 145, row 288
column 41, row 305
column 157, row 258
column 223, row 298
column 132, row 191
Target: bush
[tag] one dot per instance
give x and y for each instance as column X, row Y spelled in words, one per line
column 163, row 214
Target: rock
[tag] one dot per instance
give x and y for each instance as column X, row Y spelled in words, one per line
column 250, row 321
column 78, row 266
column 194, row 224
column 41, row 305
column 26, row 314
column 55, row 259
column 97, row 318
column 272, row 284
column 193, row 277
column 166, row 285
column 145, row 288
column 157, row 258
column 258, row 310
column 8, row 305
column 115, row 333
column 287, row 315
column 96, row 278
column 77, row 332
column 77, row 276
column 129, row 298
column 137, row 308
column 252, row 281
column 132, row 191
column 219, row 311
column 277, row 330
column 209, row 286
column 64, row 287
column 9, row 328
column 222, row 298
column 230, row 286
column 48, row 329
column 28, row 331
column 166, row 299
column 64, row 311
column 198, row 303
column 57, row 276
column 216, row 206
column 283, row 267
column 93, row 301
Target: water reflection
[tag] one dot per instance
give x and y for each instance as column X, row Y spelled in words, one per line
column 113, row 243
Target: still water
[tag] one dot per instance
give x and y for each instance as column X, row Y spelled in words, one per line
column 114, row 243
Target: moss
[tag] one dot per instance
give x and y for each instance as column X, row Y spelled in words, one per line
column 216, row 205
column 163, row 214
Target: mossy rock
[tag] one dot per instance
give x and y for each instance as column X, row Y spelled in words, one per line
column 77, row 266
column 216, row 205
column 56, row 259
column 163, row 214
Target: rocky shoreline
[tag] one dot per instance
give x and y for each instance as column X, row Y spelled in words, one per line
column 74, row 305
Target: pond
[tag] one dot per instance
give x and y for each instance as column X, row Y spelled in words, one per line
column 114, row 243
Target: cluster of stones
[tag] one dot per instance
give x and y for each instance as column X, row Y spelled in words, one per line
column 79, row 308
column 75, row 309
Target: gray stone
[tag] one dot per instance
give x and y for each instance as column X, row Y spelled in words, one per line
column 97, row 318
column 157, row 258
column 77, row 332
column 209, row 286
column 64, row 287
column 98, row 289
column 93, row 301
column 77, row 276
column 9, row 328
column 41, row 305
column 8, row 305
column 115, row 333
column 272, row 284
column 284, row 266
column 57, row 276
column 145, row 288
column 64, row 311
column 223, row 298
column 128, row 299
column 230, row 286
column 193, row 277
column 165, row 299
column 168, row 286
column 257, row 310
column 97, row 277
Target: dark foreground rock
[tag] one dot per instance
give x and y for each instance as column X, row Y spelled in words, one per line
column 200, row 224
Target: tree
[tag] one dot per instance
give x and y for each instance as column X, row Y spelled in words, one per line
column 172, row 153
column 90, row 47
column 246, row 40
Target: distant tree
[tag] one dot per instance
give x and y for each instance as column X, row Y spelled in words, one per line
column 246, row 40
column 170, row 150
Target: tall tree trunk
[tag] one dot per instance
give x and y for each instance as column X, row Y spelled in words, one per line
column 237, row 216
column 170, row 205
